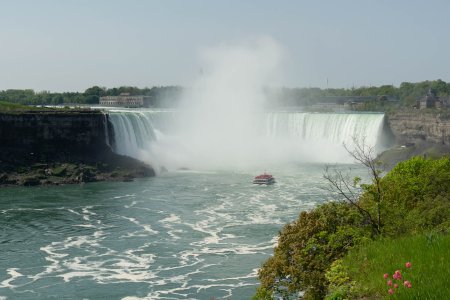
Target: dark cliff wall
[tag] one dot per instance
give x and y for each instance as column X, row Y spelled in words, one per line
column 415, row 127
column 65, row 135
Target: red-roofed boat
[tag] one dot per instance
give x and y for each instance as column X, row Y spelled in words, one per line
column 264, row 179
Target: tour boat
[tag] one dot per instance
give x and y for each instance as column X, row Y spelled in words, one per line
column 264, row 179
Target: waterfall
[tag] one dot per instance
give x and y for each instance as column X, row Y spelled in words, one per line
column 162, row 138
column 337, row 128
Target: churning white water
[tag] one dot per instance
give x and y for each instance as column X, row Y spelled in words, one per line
column 274, row 138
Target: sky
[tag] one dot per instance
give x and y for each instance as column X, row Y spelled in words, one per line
column 68, row 45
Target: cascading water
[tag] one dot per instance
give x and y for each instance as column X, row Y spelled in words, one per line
column 272, row 138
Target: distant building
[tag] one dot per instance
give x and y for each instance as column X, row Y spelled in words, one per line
column 327, row 107
column 431, row 100
column 125, row 100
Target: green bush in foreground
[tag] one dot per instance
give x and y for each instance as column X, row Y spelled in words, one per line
column 307, row 247
column 416, row 197
column 412, row 199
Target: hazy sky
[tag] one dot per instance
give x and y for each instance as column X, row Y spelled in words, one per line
column 68, row 45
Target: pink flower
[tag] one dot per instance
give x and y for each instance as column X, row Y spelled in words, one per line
column 408, row 265
column 396, row 286
column 386, row 276
column 397, row 275
column 389, row 282
column 391, row 291
column 406, row 283
column 409, row 286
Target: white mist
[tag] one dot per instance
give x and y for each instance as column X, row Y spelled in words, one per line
column 222, row 122
column 221, row 114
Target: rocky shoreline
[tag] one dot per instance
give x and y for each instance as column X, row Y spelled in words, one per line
column 389, row 158
column 114, row 168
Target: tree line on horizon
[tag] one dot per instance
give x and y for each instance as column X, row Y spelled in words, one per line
column 407, row 94
column 89, row 96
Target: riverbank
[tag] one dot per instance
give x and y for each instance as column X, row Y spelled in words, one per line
column 389, row 158
column 111, row 167
column 415, row 132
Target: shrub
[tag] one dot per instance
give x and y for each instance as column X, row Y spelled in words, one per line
column 413, row 198
column 307, row 247
column 416, row 197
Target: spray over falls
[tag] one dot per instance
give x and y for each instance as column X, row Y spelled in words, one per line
column 222, row 121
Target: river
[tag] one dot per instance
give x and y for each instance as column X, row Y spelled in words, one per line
column 197, row 233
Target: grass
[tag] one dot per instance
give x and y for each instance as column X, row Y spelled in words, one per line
column 8, row 106
column 429, row 274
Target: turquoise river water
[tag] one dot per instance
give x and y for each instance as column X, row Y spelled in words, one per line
column 180, row 235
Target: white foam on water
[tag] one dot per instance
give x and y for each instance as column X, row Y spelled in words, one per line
column 261, row 218
column 14, row 275
column 86, row 211
column 252, row 275
column 129, row 266
column 231, row 286
column 171, row 219
column 269, row 208
column 124, row 196
column 74, row 212
column 238, row 249
column 84, row 225
column 132, row 204
column 189, row 258
column 175, row 234
column 146, row 227
column 169, row 223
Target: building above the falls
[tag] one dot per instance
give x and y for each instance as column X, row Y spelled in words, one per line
column 125, row 100
column 431, row 100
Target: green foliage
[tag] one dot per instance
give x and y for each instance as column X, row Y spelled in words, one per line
column 429, row 274
column 161, row 95
column 340, row 286
column 407, row 94
column 337, row 275
column 262, row 294
column 416, row 196
column 307, row 247
column 59, row 170
column 415, row 199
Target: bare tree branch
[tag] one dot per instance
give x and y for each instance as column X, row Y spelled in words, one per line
column 350, row 191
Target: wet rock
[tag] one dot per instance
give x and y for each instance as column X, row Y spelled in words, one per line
column 31, row 180
column 86, row 175
column 3, row 178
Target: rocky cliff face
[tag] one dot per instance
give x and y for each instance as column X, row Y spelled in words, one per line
column 418, row 127
column 58, row 133
column 60, row 147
